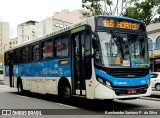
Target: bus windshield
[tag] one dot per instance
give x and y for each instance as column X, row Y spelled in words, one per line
column 117, row 49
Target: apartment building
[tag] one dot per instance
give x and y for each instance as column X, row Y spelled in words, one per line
column 13, row 43
column 26, row 31
column 153, row 31
column 70, row 16
column 4, row 39
column 31, row 30
column 49, row 25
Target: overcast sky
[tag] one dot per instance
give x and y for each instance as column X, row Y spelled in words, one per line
column 18, row 11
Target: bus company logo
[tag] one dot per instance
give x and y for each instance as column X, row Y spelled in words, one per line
column 54, row 72
column 6, row 112
column 119, row 83
column 122, row 83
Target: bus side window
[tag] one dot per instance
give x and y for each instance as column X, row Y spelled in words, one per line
column 25, row 54
column 7, row 58
column 61, row 46
column 47, row 49
column 35, row 52
column 16, row 59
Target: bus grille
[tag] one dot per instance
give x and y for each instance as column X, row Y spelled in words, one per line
column 127, row 72
column 124, row 90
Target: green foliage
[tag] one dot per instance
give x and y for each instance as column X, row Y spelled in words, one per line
column 93, row 6
column 144, row 11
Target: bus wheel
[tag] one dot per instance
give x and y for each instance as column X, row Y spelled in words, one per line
column 66, row 93
column 157, row 87
column 20, row 88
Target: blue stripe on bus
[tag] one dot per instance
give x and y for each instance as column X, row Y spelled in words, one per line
column 49, row 68
column 123, row 81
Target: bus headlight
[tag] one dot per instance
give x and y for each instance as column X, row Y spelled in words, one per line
column 104, row 82
column 108, row 84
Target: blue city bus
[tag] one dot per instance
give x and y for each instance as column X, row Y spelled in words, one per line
column 101, row 57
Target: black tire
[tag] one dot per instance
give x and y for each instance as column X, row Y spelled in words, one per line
column 20, row 88
column 66, row 93
column 157, row 87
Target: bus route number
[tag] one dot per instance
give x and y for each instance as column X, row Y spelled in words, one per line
column 108, row 23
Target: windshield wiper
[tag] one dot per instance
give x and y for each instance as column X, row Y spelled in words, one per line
column 117, row 40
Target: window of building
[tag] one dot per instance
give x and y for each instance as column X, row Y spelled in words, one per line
column 150, row 44
column 61, row 46
column 47, row 49
column 158, row 42
column 35, row 52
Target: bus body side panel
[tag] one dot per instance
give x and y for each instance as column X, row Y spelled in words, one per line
column 43, row 77
column 90, row 84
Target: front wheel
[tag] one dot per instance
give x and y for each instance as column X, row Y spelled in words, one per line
column 66, row 93
column 157, row 87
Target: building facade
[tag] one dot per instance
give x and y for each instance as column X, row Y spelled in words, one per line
column 4, row 39
column 13, row 43
column 26, row 31
column 31, row 30
column 153, row 31
column 70, row 16
column 48, row 26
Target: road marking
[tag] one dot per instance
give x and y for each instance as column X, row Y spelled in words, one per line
column 66, row 105
column 150, row 98
column 22, row 96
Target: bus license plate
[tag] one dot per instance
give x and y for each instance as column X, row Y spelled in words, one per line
column 132, row 91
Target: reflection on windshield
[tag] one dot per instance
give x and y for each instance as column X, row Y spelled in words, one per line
column 121, row 49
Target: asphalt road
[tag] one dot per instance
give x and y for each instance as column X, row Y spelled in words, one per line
column 9, row 99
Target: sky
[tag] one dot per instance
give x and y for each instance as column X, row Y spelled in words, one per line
column 19, row 11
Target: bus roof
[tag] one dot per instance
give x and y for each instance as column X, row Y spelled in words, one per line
column 121, row 17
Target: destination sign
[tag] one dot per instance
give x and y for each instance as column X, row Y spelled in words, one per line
column 118, row 23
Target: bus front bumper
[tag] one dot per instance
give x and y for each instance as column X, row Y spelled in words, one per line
column 103, row 92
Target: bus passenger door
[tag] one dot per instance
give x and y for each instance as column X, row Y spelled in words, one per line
column 11, row 78
column 80, row 53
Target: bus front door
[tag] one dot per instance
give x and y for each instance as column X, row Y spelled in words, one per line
column 79, row 64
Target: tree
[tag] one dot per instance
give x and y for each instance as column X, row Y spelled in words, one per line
column 93, row 6
column 99, row 7
column 145, row 11
column 109, row 7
